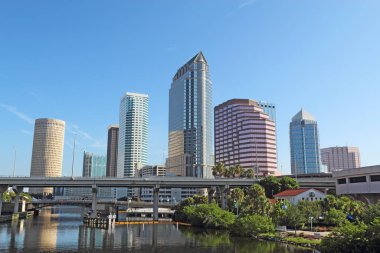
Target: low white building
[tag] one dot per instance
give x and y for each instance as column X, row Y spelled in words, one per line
column 294, row 196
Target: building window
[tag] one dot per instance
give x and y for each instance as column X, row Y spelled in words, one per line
column 342, row 181
column 375, row 178
column 354, row 180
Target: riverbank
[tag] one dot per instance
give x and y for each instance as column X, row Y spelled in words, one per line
column 283, row 237
column 16, row 216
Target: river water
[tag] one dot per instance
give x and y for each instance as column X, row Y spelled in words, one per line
column 62, row 230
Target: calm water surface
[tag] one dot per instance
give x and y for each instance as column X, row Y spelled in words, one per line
column 61, row 230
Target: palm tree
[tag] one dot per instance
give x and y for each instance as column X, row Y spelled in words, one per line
column 218, row 170
column 237, row 171
column 248, row 173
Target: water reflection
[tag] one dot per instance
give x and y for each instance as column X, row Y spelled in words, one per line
column 62, row 230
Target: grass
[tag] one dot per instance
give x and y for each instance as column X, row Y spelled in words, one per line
column 301, row 240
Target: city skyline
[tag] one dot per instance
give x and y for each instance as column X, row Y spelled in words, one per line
column 49, row 69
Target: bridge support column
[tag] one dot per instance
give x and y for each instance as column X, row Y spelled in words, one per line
column 210, row 194
column 156, row 190
column 17, row 198
column 3, row 188
column 94, row 200
column 224, row 192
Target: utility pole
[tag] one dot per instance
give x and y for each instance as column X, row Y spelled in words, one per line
column 14, row 163
column 72, row 164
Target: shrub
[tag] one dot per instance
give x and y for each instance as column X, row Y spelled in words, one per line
column 251, row 225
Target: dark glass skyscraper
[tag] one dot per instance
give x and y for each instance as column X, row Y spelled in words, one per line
column 112, row 146
column 304, row 144
column 190, row 120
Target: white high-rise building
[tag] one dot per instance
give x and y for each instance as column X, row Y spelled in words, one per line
column 133, row 134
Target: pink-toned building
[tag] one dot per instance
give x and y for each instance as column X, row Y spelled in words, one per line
column 245, row 136
column 340, row 158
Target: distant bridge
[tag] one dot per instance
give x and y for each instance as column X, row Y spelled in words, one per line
column 318, row 181
column 85, row 202
column 163, row 182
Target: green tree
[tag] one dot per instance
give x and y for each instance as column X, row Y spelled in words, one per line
column 293, row 218
column 209, row 216
column 373, row 233
column 335, row 217
column 218, row 170
column 198, row 199
column 255, row 201
column 371, row 212
column 237, row 171
column 278, row 211
column 310, row 209
column 347, row 238
column 236, row 197
column 328, row 203
column 288, row 183
column 248, row 173
column 271, row 185
column 250, row 225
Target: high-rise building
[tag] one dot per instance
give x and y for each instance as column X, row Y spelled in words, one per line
column 190, row 120
column 113, row 140
column 47, row 151
column 246, row 136
column 304, row 144
column 269, row 109
column 133, row 134
column 340, row 158
column 94, row 165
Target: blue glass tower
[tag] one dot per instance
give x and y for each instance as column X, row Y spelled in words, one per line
column 190, row 120
column 304, row 144
column 94, row 165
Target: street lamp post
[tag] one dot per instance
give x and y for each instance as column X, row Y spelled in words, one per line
column 236, row 205
column 311, row 223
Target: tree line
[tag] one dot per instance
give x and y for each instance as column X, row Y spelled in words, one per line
column 251, row 211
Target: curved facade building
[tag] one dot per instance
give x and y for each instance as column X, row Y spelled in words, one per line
column 47, row 155
column 245, row 135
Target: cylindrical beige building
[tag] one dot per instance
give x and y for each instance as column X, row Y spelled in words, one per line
column 47, row 151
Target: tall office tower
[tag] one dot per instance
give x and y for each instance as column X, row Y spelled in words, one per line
column 47, row 151
column 133, row 134
column 269, row 109
column 113, row 140
column 304, row 144
column 340, row 158
column 190, row 120
column 246, row 136
column 94, row 165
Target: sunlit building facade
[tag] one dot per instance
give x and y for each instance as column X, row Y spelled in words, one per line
column 47, row 151
column 133, row 134
column 190, row 120
column 245, row 135
column 340, row 158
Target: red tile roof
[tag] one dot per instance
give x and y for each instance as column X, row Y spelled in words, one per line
column 273, row 201
column 292, row 192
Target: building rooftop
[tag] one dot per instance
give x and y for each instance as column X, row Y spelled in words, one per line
column 303, row 115
column 295, row 192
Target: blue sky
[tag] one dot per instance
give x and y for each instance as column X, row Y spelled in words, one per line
column 73, row 60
